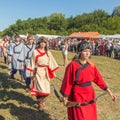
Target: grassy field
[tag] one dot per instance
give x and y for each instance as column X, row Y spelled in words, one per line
column 16, row 104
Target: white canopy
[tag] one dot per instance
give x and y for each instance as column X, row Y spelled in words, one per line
column 47, row 36
column 108, row 37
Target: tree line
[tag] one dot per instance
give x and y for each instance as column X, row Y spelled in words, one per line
column 58, row 24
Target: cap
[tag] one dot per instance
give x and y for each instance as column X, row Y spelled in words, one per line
column 17, row 36
column 41, row 39
column 83, row 45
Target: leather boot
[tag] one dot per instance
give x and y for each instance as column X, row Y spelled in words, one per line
column 12, row 76
column 41, row 104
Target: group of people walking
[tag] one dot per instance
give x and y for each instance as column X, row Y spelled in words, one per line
column 35, row 63
column 36, row 66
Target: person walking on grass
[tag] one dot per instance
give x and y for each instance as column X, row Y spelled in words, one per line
column 15, row 49
column 4, row 44
column 77, row 84
column 24, row 59
column 42, row 67
column 65, row 52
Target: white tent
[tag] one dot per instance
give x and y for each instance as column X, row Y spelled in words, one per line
column 23, row 36
column 108, row 37
column 47, row 36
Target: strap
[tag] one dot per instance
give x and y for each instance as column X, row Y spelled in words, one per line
column 78, row 71
column 84, row 84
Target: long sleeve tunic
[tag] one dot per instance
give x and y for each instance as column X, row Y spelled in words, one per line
column 75, row 88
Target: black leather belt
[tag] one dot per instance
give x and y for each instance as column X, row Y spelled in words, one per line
column 84, row 84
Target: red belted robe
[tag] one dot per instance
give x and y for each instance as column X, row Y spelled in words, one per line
column 87, row 73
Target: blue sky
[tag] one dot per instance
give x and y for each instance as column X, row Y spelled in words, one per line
column 12, row 10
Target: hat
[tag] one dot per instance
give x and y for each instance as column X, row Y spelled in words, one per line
column 41, row 39
column 17, row 36
column 83, row 45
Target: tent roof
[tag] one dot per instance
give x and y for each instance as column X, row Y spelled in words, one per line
column 108, row 36
column 47, row 36
column 84, row 34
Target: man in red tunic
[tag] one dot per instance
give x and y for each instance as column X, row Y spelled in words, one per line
column 77, row 84
column 4, row 43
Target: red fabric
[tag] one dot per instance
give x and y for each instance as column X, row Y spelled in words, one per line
column 50, row 72
column 81, row 94
column 37, row 93
column 29, row 69
column 40, row 54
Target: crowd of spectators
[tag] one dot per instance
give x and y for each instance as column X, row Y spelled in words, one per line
column 100, row 47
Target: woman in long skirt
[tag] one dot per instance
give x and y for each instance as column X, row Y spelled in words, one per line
column 42, row 67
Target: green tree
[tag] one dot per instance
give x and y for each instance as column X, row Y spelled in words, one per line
column 116, row 11
column 112, row 24
column 57, row 22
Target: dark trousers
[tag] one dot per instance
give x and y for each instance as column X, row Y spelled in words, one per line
column 15, row 70
column 27, row 81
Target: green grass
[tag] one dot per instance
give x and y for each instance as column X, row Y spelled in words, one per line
column 16, row 104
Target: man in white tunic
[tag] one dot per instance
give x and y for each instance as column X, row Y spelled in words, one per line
column 24, row 59
column 15, row 50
